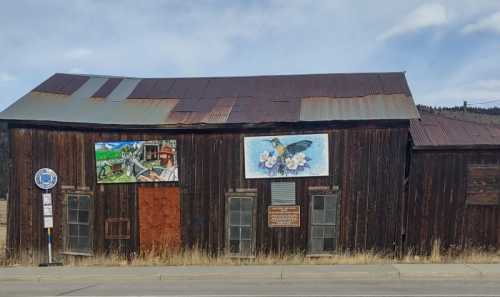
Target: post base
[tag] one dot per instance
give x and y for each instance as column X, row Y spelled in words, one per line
column 50, row 264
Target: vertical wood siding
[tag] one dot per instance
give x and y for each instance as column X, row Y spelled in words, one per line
column 367, row 163
column 436, row 203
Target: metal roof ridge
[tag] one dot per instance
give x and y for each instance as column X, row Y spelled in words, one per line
column 238, row 76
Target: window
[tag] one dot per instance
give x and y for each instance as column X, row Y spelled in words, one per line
column 78, row 217
column 117, row 228
column 283, row 193
column 240, row 224
column 323, row 225
column 483, row 184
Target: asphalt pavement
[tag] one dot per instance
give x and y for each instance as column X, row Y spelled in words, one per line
column 253, row 280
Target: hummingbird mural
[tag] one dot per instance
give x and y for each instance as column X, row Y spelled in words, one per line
column 283, row 151
column 287, row 158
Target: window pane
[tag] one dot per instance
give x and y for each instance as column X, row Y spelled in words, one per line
column 83, row 243
column 73, row 242
column 84, row 202
column 319, row 202
column 73, row 230
column 246, row 204
column 317, row 232
column 317, row 245
column 330, row 202
column 246, row 247
column 330, row 216
column 329, row 231
column 234, row 204
column 246, row 218
column 234, row 218
column 72, row 202
column 83, row 230
column 329, row 244
column 234, row 233
column 318, row 216
column 72, row 216
column 246, row 233
column 234, row 246
column 83, row 216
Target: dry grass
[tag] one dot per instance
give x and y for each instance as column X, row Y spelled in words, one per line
column 197, row 256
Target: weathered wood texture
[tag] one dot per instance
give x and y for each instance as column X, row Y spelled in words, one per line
column 4, row 160
column 366, row 162
column 436, row 204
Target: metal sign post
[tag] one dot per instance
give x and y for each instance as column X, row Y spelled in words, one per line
column 46, row 179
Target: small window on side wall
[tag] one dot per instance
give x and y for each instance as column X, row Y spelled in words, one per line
column 78, row 218
column 240, row 224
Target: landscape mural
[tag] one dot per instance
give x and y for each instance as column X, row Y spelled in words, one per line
column 286, row 156
column 136, row 161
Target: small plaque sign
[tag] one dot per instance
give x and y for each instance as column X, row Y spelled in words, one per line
column 283, row 216
column 48, row 222
column 47, row 210
column 47, row 199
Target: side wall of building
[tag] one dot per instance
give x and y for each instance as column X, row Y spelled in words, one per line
column 366, row 162
column 436, row 204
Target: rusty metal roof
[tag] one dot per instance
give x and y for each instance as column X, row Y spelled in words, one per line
column 435, row 130
column 94, row 99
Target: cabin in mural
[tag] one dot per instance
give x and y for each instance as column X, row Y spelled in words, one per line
column 236, row 166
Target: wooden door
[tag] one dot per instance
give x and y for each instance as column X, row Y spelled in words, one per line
column 159, row 218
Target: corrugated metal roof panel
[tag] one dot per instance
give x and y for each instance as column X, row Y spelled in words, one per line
column 60, row 83
column 434, row 130
column 107, row 87
column 358, row 108
column 89, row 87
column 254, row 99
column 123, row 90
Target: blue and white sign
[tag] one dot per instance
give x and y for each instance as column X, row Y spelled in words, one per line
column 45, row 178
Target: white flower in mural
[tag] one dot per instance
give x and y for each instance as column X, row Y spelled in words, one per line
column 264, row 156
column 300, row 159
column 291, row 163
column 270, row 161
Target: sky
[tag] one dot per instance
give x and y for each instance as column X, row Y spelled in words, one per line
column 450, row 50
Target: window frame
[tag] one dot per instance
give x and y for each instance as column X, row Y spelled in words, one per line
column 66, row 237
column 241, row 194
column 323, row 191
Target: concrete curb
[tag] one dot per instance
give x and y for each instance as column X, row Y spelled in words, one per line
column 255, row 272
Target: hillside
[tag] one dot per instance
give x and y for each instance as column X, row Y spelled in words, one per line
column 473, row 114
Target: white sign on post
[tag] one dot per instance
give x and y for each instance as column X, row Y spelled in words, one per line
column 47, row 199
column 47, row 210
column 48, row 222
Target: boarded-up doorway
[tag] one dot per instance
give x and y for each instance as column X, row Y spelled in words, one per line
column 159, row 218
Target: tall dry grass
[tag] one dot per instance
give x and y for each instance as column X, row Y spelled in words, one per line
column 197, row 256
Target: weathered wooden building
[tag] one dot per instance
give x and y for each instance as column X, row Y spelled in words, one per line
column 218, row 168
column 453, row 190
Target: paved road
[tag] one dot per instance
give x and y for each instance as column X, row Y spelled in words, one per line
column 258, row 288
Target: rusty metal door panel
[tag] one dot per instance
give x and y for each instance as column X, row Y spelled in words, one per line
column 159, row 218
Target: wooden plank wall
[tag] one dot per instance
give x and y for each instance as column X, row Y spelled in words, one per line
column 436, row 203
column 367, row 163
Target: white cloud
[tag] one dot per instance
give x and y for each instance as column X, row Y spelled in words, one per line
column 490, row 23
column 77, row 53
column 424, row 16
column 4, row 76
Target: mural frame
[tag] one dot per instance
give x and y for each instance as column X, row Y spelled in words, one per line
column 286, row 156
